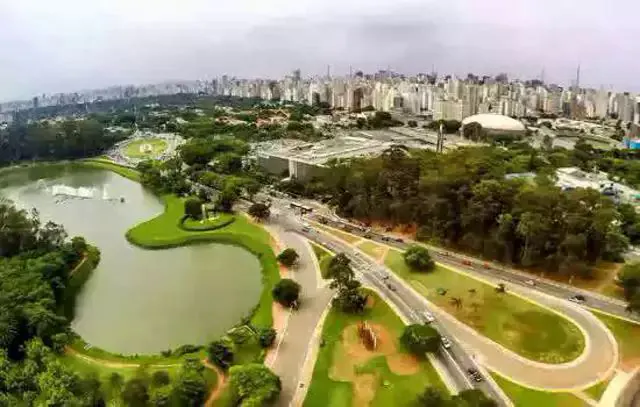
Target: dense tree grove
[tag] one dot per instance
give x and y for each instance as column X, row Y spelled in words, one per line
column 463, row 199
column 34, row 272
column 55, row 140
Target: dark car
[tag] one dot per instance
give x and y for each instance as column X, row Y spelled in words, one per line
column 399, row 240
column 475, row 375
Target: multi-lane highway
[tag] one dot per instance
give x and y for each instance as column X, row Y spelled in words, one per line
column 494, row 271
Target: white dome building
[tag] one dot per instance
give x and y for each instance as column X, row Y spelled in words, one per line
column 496, row 124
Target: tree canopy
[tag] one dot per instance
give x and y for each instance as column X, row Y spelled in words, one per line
column 253, row 385
column 286, row 292
column 463, row 199
column 418, row 258
column 43, row 140
column 349, row 297
column 420, row 339
column 288, row 257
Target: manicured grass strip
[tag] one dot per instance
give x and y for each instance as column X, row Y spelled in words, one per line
column 157, row 147
column 389, row 389
column 163, row 232
column 598, row 390
column 372, row 249
column 519, row 325
column 110, row 165
column 626, row 334
column 525, row 397
column 347, row 237
column 324, row 258
column 319, row 251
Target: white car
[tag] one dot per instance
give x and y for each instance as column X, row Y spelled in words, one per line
column 530, row 282
column 428, row 317
column 446, row 343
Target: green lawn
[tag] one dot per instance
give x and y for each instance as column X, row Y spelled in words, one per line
column 158, row 146
column 372, row 249
column 517, row 324
column 525, row 397
column 347, row 237
column 219, row 221
column 163, row 231
column 389, row 389
column 324, row 258
column 596, row 391
column 110, row 165
column 626, row 334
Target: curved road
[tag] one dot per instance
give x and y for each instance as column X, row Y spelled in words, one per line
column 596, row 362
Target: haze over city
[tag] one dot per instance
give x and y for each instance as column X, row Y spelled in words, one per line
column 76, row 45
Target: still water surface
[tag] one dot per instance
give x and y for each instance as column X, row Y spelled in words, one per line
column 138, row 301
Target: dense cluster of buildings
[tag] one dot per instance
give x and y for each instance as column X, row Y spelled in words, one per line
column 445, row 97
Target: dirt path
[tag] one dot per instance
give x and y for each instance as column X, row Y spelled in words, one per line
column 84, row 259
column 221, row 383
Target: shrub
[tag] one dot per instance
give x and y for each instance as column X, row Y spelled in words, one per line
column 418, row 259
column 286, row 292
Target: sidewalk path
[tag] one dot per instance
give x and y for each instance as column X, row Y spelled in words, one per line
column 296, row 339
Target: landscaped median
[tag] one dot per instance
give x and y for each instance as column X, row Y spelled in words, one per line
column 347, row 374
column 517, row 324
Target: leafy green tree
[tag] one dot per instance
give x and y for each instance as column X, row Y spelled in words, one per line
column 432, row 397
column 190, row 388
column 220, row 353
column 160, row 378
column 135, row 392
column 91, row 390
column 266, row 337
column 193, row 208
column 259, row 211
column 420, row 339
column 161, row 396
column 58, row 386
column 472, row 398
column 288, row 257
column 418, row 258
column 286, row 292
column 629, row 279
column 79, row 245
column 226, row 198
column 349, row 297
column 253, row 385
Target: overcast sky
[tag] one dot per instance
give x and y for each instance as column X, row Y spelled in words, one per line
column 66, row 45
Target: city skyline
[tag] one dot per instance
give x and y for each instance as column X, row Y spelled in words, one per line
column 85, row 46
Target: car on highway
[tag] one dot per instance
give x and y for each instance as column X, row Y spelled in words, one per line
column 578, row 299
column 392, row 288
column 446, row 343
column 399, row 240
column 475, row 375
column 466, row 262
column 530, row 282
column 368, row 235
column 428, row 317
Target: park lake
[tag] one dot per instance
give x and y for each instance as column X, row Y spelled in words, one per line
column 137, row 301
